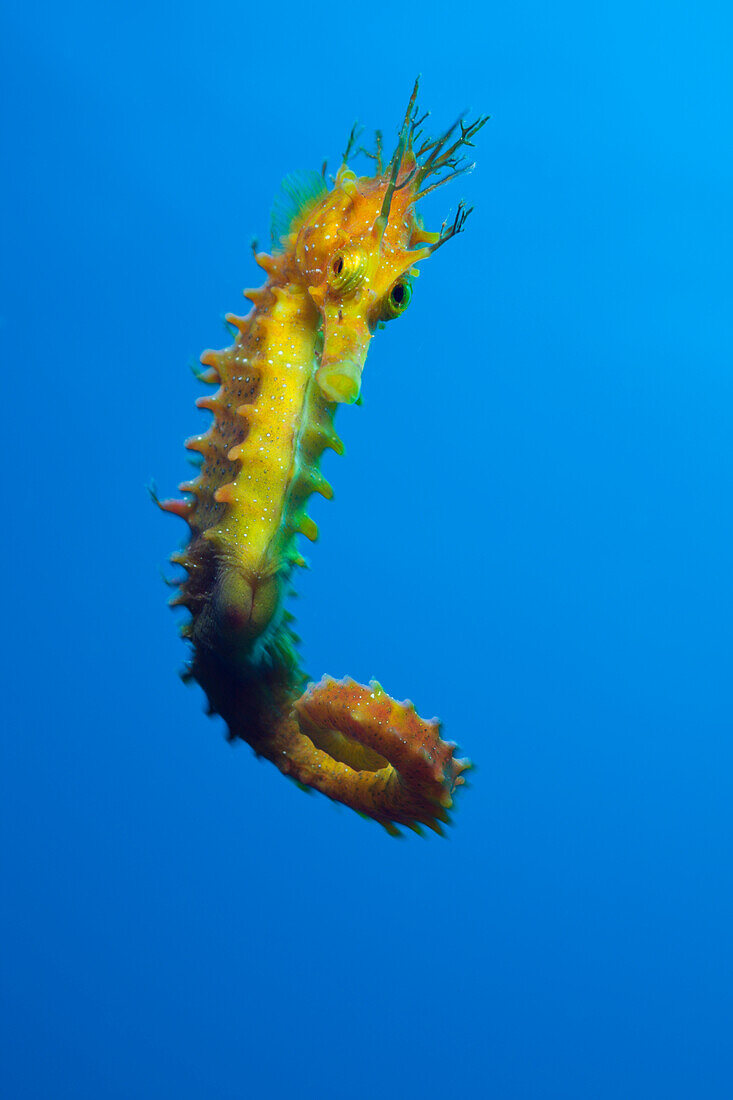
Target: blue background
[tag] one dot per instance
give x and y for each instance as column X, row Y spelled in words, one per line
column 531, row 536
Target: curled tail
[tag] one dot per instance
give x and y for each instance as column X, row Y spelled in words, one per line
column 361, row 747
column 353, row 743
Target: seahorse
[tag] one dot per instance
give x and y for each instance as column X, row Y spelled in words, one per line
column 342, row 265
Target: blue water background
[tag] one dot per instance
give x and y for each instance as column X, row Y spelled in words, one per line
column 532, row 537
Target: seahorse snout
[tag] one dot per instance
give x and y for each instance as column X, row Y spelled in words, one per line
column 340, row 381
column 346, row 338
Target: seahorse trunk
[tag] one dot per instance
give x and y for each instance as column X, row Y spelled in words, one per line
column 259, row 465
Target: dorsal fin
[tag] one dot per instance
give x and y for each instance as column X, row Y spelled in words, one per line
column 299, row 191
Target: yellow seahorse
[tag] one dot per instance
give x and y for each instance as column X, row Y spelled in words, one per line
column 342, row 263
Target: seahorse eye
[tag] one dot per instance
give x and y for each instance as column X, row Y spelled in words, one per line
column 397, row 300
column 346, row 271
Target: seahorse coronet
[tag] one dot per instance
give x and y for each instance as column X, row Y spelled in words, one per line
column 300, row 352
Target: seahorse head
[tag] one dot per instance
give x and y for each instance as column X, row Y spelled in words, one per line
column 357, row 248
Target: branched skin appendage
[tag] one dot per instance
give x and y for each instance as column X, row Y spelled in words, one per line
column 343, row 265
